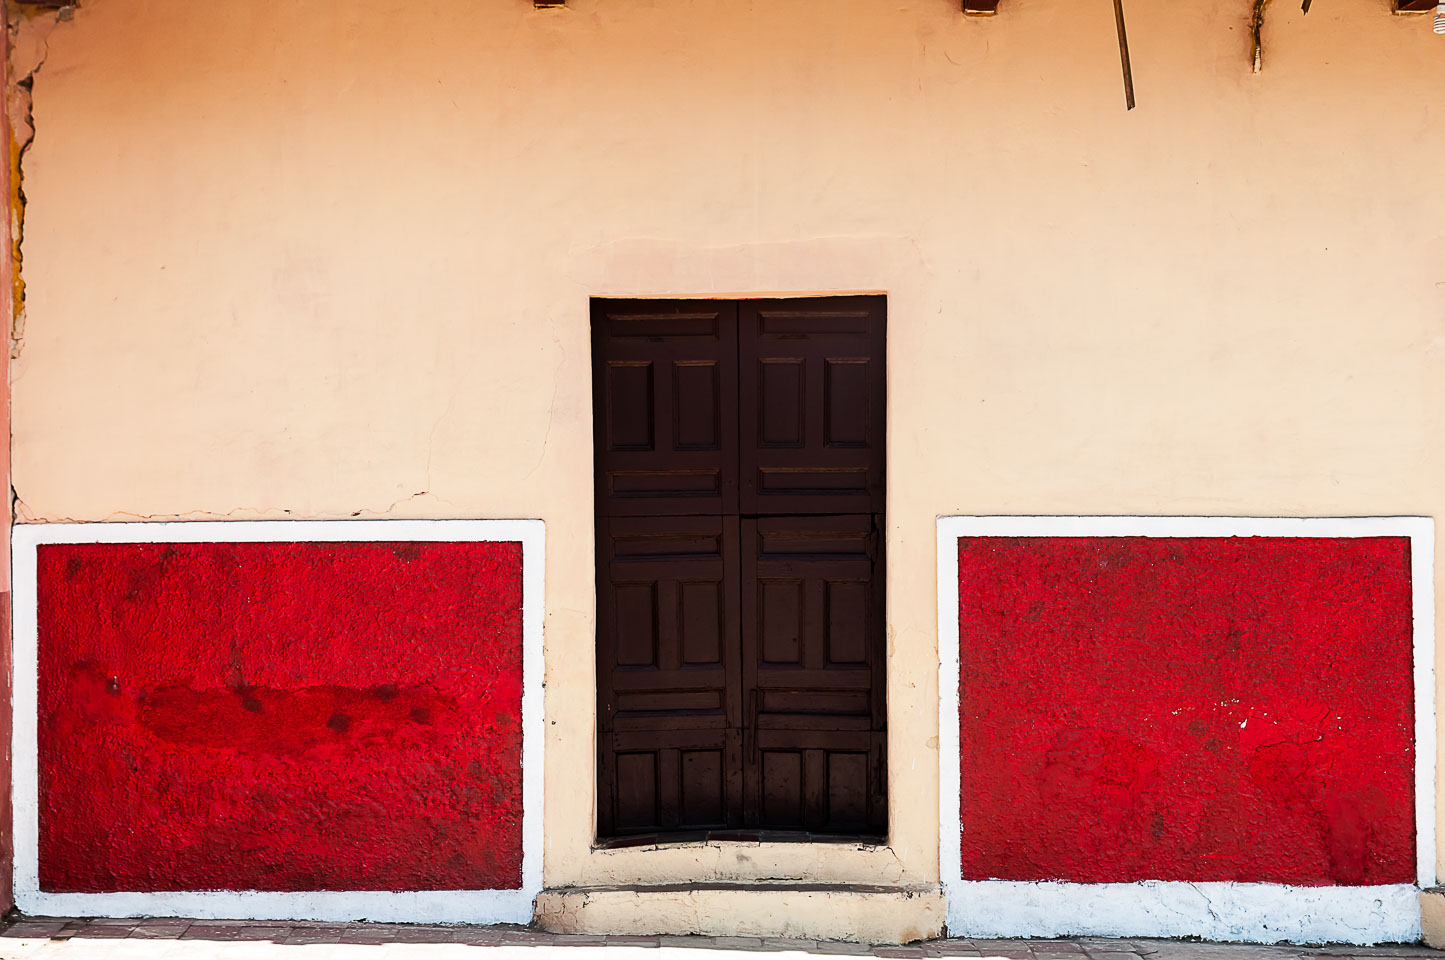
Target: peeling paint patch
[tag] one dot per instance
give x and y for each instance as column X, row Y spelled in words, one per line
column 280, row 716
column 29, row 30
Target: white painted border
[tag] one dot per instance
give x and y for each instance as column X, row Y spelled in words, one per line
column 1261, row 912
column 438, row 906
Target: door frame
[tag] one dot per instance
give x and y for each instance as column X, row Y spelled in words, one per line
column 877, row 392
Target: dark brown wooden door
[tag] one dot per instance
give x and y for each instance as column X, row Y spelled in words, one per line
column 739, row 496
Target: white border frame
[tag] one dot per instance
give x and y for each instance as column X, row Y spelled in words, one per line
column 1258, row 912
column 444, row 906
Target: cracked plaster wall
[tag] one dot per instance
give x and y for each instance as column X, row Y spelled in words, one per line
column 316, row 260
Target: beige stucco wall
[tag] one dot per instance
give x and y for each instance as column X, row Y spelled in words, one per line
column 312, row 259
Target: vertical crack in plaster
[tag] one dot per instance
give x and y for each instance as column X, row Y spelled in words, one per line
column 1256, row 29
column 29, row 46
column 22, row 135
column 551, row 407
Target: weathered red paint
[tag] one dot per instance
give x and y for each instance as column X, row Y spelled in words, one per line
column 1187, row 709
column 280, row 716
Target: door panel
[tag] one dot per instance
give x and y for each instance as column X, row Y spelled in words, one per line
column 673, row 780
column 669, row 697
column 812, row 598
column 812, row 390
column 668, row 626
column 665, row 407
column 819, row 783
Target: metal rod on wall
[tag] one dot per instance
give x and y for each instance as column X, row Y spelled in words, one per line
column 1124, row 54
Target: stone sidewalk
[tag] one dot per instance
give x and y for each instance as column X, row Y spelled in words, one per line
column 60, row 938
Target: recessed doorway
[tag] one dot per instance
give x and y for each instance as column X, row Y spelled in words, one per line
column 739, row 488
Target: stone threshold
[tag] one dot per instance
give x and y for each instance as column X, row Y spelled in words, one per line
column 864, row 913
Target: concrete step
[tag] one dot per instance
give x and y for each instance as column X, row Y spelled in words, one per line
column 832, row 911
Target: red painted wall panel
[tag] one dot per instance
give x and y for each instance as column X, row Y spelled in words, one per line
column 1186, row 709
column 280, row 716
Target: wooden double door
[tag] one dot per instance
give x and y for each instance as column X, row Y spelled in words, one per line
column 740, row 589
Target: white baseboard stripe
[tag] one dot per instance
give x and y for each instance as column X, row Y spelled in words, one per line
column 432, row 906
column 1248, row 912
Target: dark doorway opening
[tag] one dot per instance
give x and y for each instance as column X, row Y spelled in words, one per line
column 740, row 593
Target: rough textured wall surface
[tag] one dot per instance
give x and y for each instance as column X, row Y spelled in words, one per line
column 1187, row 709
column 280, row 716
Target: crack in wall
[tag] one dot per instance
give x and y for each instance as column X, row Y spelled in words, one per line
column 28, row 47
column 1256, row 30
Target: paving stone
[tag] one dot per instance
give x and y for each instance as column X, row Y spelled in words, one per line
column 630, row 941
column 27, row 928
column 107, row 931
column 1054, row 946
column 302, row 938
column 735, row 943
column 790, row 943
column 198, row 932
column 844, row 947
column 1384, row 950
column 476, row 937
column 156, row 931
column 237, row 933
column 1112, row 954
column 899, row 952
column 524, row 937
column 1177, row 950
column 423, row 935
